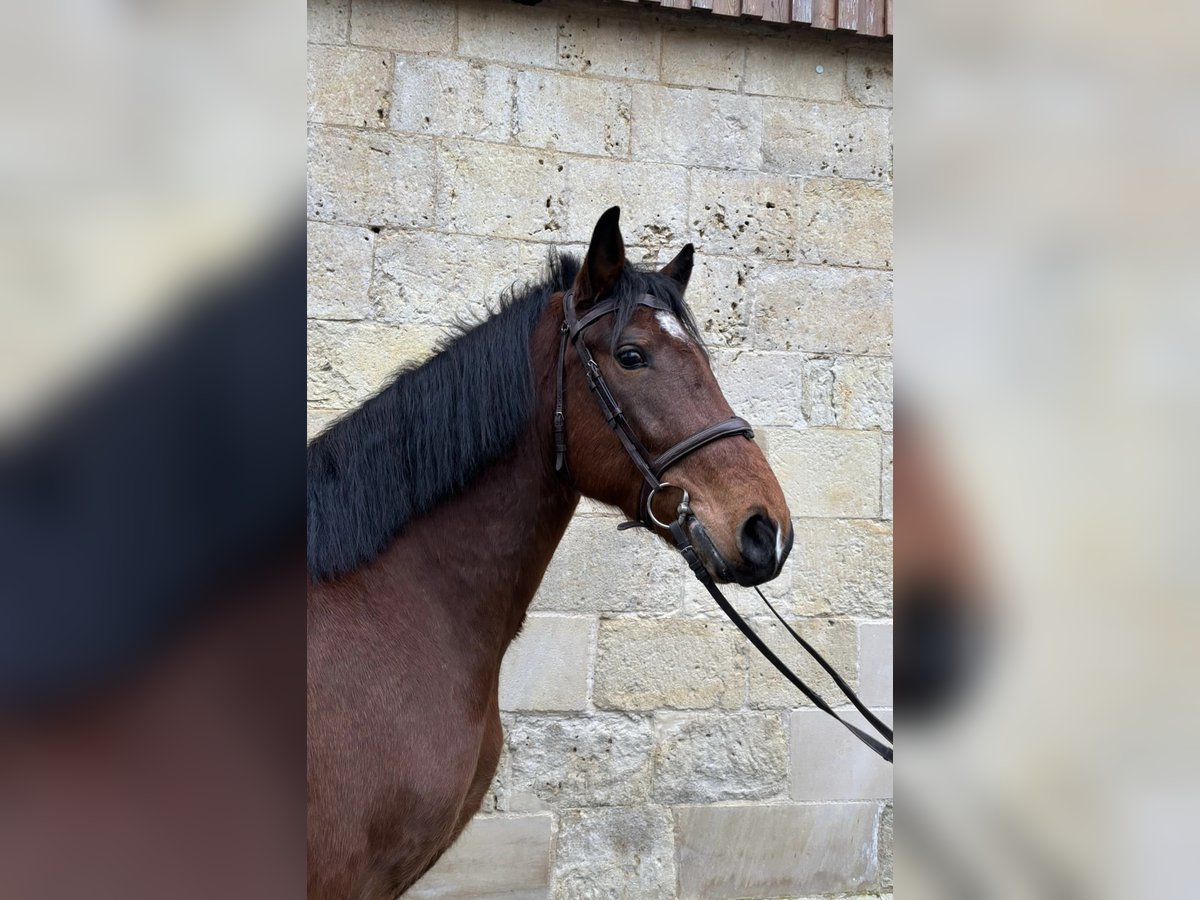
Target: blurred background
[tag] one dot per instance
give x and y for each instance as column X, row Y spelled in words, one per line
column 1046, row 323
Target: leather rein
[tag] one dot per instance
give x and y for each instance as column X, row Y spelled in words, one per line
column 652, row 469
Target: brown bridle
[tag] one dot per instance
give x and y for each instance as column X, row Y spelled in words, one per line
column 652, row 469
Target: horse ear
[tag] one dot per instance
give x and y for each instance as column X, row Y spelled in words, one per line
column 679, row 269
column 604, row 262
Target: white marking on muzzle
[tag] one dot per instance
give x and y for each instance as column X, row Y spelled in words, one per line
column 671, row 326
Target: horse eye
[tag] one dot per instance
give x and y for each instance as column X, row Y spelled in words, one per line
column 631, row 358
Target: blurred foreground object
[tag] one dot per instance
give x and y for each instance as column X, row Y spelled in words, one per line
column 151, row 469
column 1046, row 326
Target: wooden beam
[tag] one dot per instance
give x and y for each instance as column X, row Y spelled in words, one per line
column 824, row 14
column 847, row 14
column 802, row 10
column 871, row 18
column 778, row 11
column 889, row 17
column 753, row 8
column 702, row 4
column 676, row 4
column 727, row 7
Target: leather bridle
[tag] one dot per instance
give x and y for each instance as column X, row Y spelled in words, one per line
column 652, row 469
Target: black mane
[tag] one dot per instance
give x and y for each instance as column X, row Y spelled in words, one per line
column 436, row 426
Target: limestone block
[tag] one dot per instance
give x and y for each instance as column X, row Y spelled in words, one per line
column 573, row 114
column 697, row 127
column 844, row 565
column 349, row 361
column 830, row 763
column 615, row 852
column 328, row 21
column 598, row 760
column 826, row 139
column 668, row 664
column 763, row 388
column 827, row 473
column 821, row 309
column 652, row 197
column 320, row 419
column 497, row 191
column 848, row 392
column 793, row 850
column 602, row 45
column 505, row 856
column 598, row 569
column 886, row 847
column 348, row 86
column 339, row 271
column 846, row 222
column 875, row 663
column 508, row 32
column 717, row 297
column 426, row 26
column 810, row 70
column 703, row 57
column 369, row 178
column 743, row 214
column 546, row 667
column 835, row 639
column 887, row 476
column 706, row 757
column 869, row 76
column 440, row 279
column 452, row 98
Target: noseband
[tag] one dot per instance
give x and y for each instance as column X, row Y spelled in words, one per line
column 652, row 469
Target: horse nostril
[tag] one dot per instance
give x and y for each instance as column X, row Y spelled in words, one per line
column 756, row 540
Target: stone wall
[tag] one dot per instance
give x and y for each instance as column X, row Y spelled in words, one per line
column 650, row 752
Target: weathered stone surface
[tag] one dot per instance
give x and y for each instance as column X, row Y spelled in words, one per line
column 369, row 178
column 652, row 197
column 827, row 473
column 512, row 192
column 869, row 77
column 705, row 757
column 846, row 222
column 348, row 86
column 743, row 214
column 496, row 798
column 703, row 57
column 698, row 602
column 623, row 48
column 426, row 26
column 848, row 392
column 496, row 856
column 667, row 664
column 820, row 139
column 788, row 68
column 508, row 32
column 617, row 853
column 328, row 21
column 875, row 663
column 349, row 361
column 339, row 271
column 887, row 476
column 886, row 847
column 598, row 569
column 546, row 667
column 835, row 639
column 727, row 852
column 452, row 97
column 600, row 760
column 703, row 128
column 844, row 565
column 821, row 309
column 577, row 115
column 830, row 763
column 763, row 388
column 431, row 278
column 320, row 419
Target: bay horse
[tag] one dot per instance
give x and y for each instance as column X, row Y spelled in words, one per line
column 433, row 512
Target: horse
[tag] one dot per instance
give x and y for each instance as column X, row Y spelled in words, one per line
column 434, row 510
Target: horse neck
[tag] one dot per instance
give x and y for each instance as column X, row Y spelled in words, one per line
column 484, row 551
